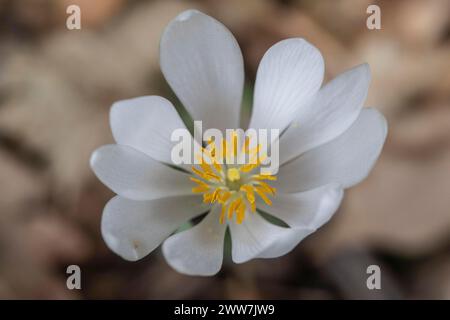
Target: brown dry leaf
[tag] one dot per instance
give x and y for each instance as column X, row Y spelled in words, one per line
column 403, row 206
column 399, row 75
column 416, row 23
column 431, row 280
column 343, row 18
column 33, row 250
column 279, row 24
column 64, row 128
column 65, row 83
column 21, row 186
column 423, row 132
column 93, row 13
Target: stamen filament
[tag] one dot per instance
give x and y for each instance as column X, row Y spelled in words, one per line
column 233, row 187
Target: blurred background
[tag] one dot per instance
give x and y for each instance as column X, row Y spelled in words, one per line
column 56, row 88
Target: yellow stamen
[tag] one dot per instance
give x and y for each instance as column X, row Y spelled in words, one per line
column 215, row 195
column 225, row 195
column 222, row 214
column 206, row 175
column 233, row 207
column 234, row 145
column 207, row 197
column 210, row 155
column 267, row 188
column 249, row 193
column 246, row 145
column 200, row 182
column 235, row 188
column 240, row 212
column 263, row 196
column 253, row 206
column 200, row 189
column 264, row 177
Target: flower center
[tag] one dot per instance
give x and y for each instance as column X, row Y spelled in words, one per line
column 233, row 186
column 233, row 174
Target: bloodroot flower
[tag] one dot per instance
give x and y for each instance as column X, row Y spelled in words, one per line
column 329, row 142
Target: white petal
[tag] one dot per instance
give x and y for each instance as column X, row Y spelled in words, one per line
column 345, row 160
column 199, row 250
column 203, row 64
column 309, row 209
column 289, row 75
column 146, row 124
column 285, row 243
column 133, row 229
column 254, row 236
column 332, row 111
column 134, row 175
column 304, row 212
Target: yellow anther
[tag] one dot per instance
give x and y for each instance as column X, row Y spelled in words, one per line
column 233, row 207
column 234, row 144
column 267, row 188
column 261, row 192
column 224, row 196
column 264, row 177
column 222, row 214
column 246, row 145
column 240, row 212
column 200, row 189
column 206, row 175
column 235, row 188
column 253, row 206
column 198, row 181
column 249, row 193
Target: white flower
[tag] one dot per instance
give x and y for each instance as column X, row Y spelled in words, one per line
column 329, row 143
